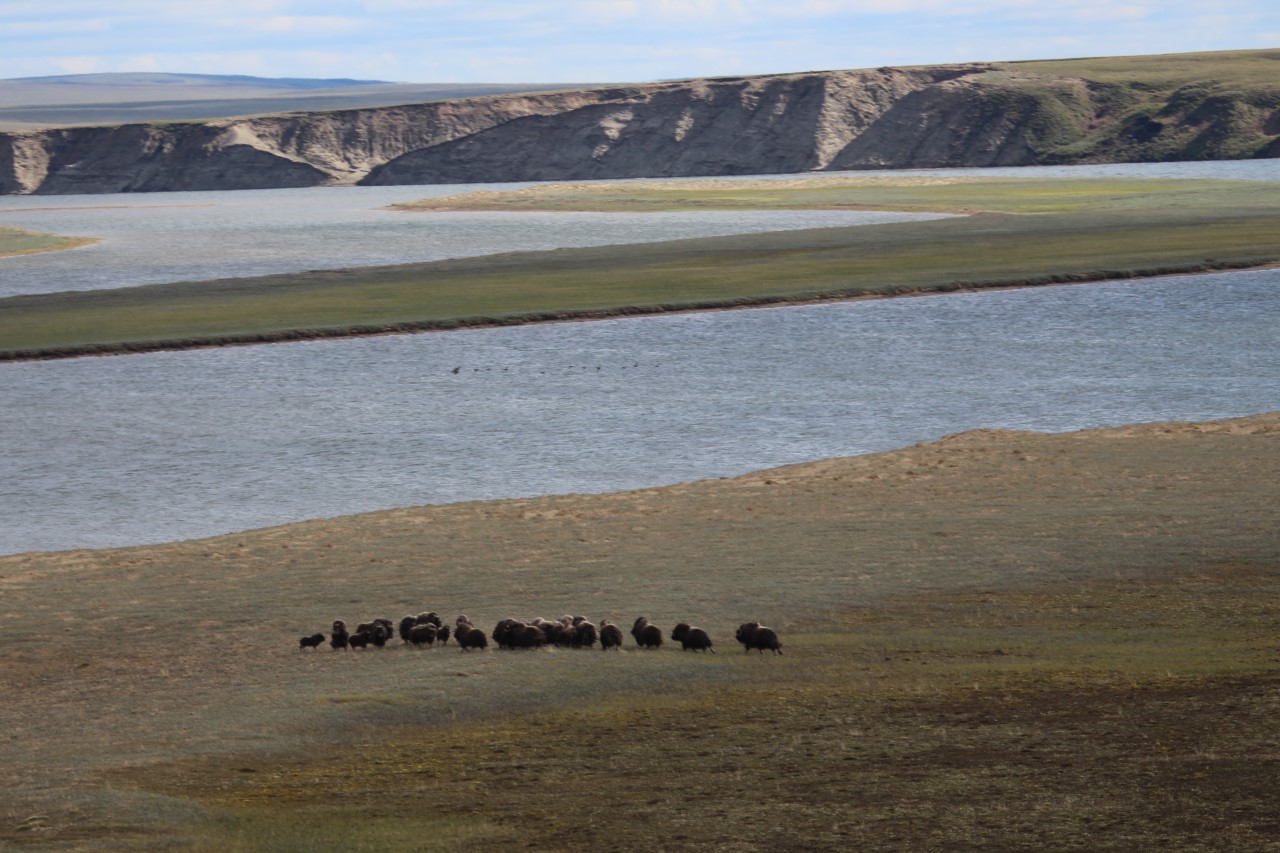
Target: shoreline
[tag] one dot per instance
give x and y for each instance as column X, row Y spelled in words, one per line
column 620, row 312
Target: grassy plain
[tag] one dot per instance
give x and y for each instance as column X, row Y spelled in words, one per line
column 1020, row 232
column 997, row 641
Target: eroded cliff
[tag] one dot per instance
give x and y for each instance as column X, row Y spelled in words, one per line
column 1207, row 106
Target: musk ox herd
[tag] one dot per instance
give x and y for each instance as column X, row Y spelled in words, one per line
column 577, row 632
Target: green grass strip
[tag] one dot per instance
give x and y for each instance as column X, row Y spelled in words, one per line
column 1079, row 232
column 19, row 241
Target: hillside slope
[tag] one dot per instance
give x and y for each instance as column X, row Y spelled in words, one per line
column 1183, row 107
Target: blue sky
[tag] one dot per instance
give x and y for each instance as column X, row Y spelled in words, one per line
column 510, row 41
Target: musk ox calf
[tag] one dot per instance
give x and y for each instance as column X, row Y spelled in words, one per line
column 753, row 635
column 690, row 637
column 340, row 637
column 610, row 636
column 647, row 635
column 312, row 642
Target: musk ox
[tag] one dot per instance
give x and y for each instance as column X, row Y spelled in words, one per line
column 422, row 635
column 610, row 636
column 340, row 637
column 406, row 624
column 442, row 634
column 470, row 637
column 753, row 635
column 690, row 637
column 360, row 639
column 514, row 634
column 430, row 617
column 501, row 633
column 646, row 634
column 311, row 642
column 585, row 634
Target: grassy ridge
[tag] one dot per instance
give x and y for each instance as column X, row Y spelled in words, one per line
column 1028, row 233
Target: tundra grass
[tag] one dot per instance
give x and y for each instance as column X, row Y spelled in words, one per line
column 1021, row 233
column 1101, row 716
column 19, row 241
column 1008, row 639
column 1229, row 68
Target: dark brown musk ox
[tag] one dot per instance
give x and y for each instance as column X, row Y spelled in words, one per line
column 527, row 636
column 501, row 633
column 406, row 624
column 340, row 637
column 753, row 635
column 311, row 642
column 470, row 637
column 374, row 627
column 585, row 634
column 422, row 635
column 690, row 637
column 360, row 639
column 646, row 634
column 610, row 636
column 514, row 634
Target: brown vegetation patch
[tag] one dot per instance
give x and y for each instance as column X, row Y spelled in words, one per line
column 1002, row 639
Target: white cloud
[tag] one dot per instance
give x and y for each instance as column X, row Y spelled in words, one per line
column 294, row 25
column 141, row 63
column 77, row 64
column 29, row 29
column 598, row 40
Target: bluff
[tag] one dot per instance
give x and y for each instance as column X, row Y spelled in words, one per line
column 1177, row 107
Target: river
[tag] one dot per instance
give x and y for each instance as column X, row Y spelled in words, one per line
column 150, row 448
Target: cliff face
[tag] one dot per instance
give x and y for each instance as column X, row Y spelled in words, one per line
column 936, row 116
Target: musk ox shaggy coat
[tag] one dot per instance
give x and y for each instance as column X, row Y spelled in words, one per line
column 422, row 635
column 610, row 636
column 646, row 634
column 753, row 635
column 470, row 637
column 311, row 642
column 690, row 637
column 585, row 634
column 340, row 638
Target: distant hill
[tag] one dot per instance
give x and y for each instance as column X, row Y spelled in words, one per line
column 1199, row 106
column 74, row 100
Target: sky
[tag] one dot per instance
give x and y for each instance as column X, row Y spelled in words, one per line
column 598, row 41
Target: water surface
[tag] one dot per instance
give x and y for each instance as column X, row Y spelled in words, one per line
column 166, row 446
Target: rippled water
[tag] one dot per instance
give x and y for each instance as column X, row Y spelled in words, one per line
column 163, row 237
column 154, row 238
column 126, row 450
column 149, row 448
